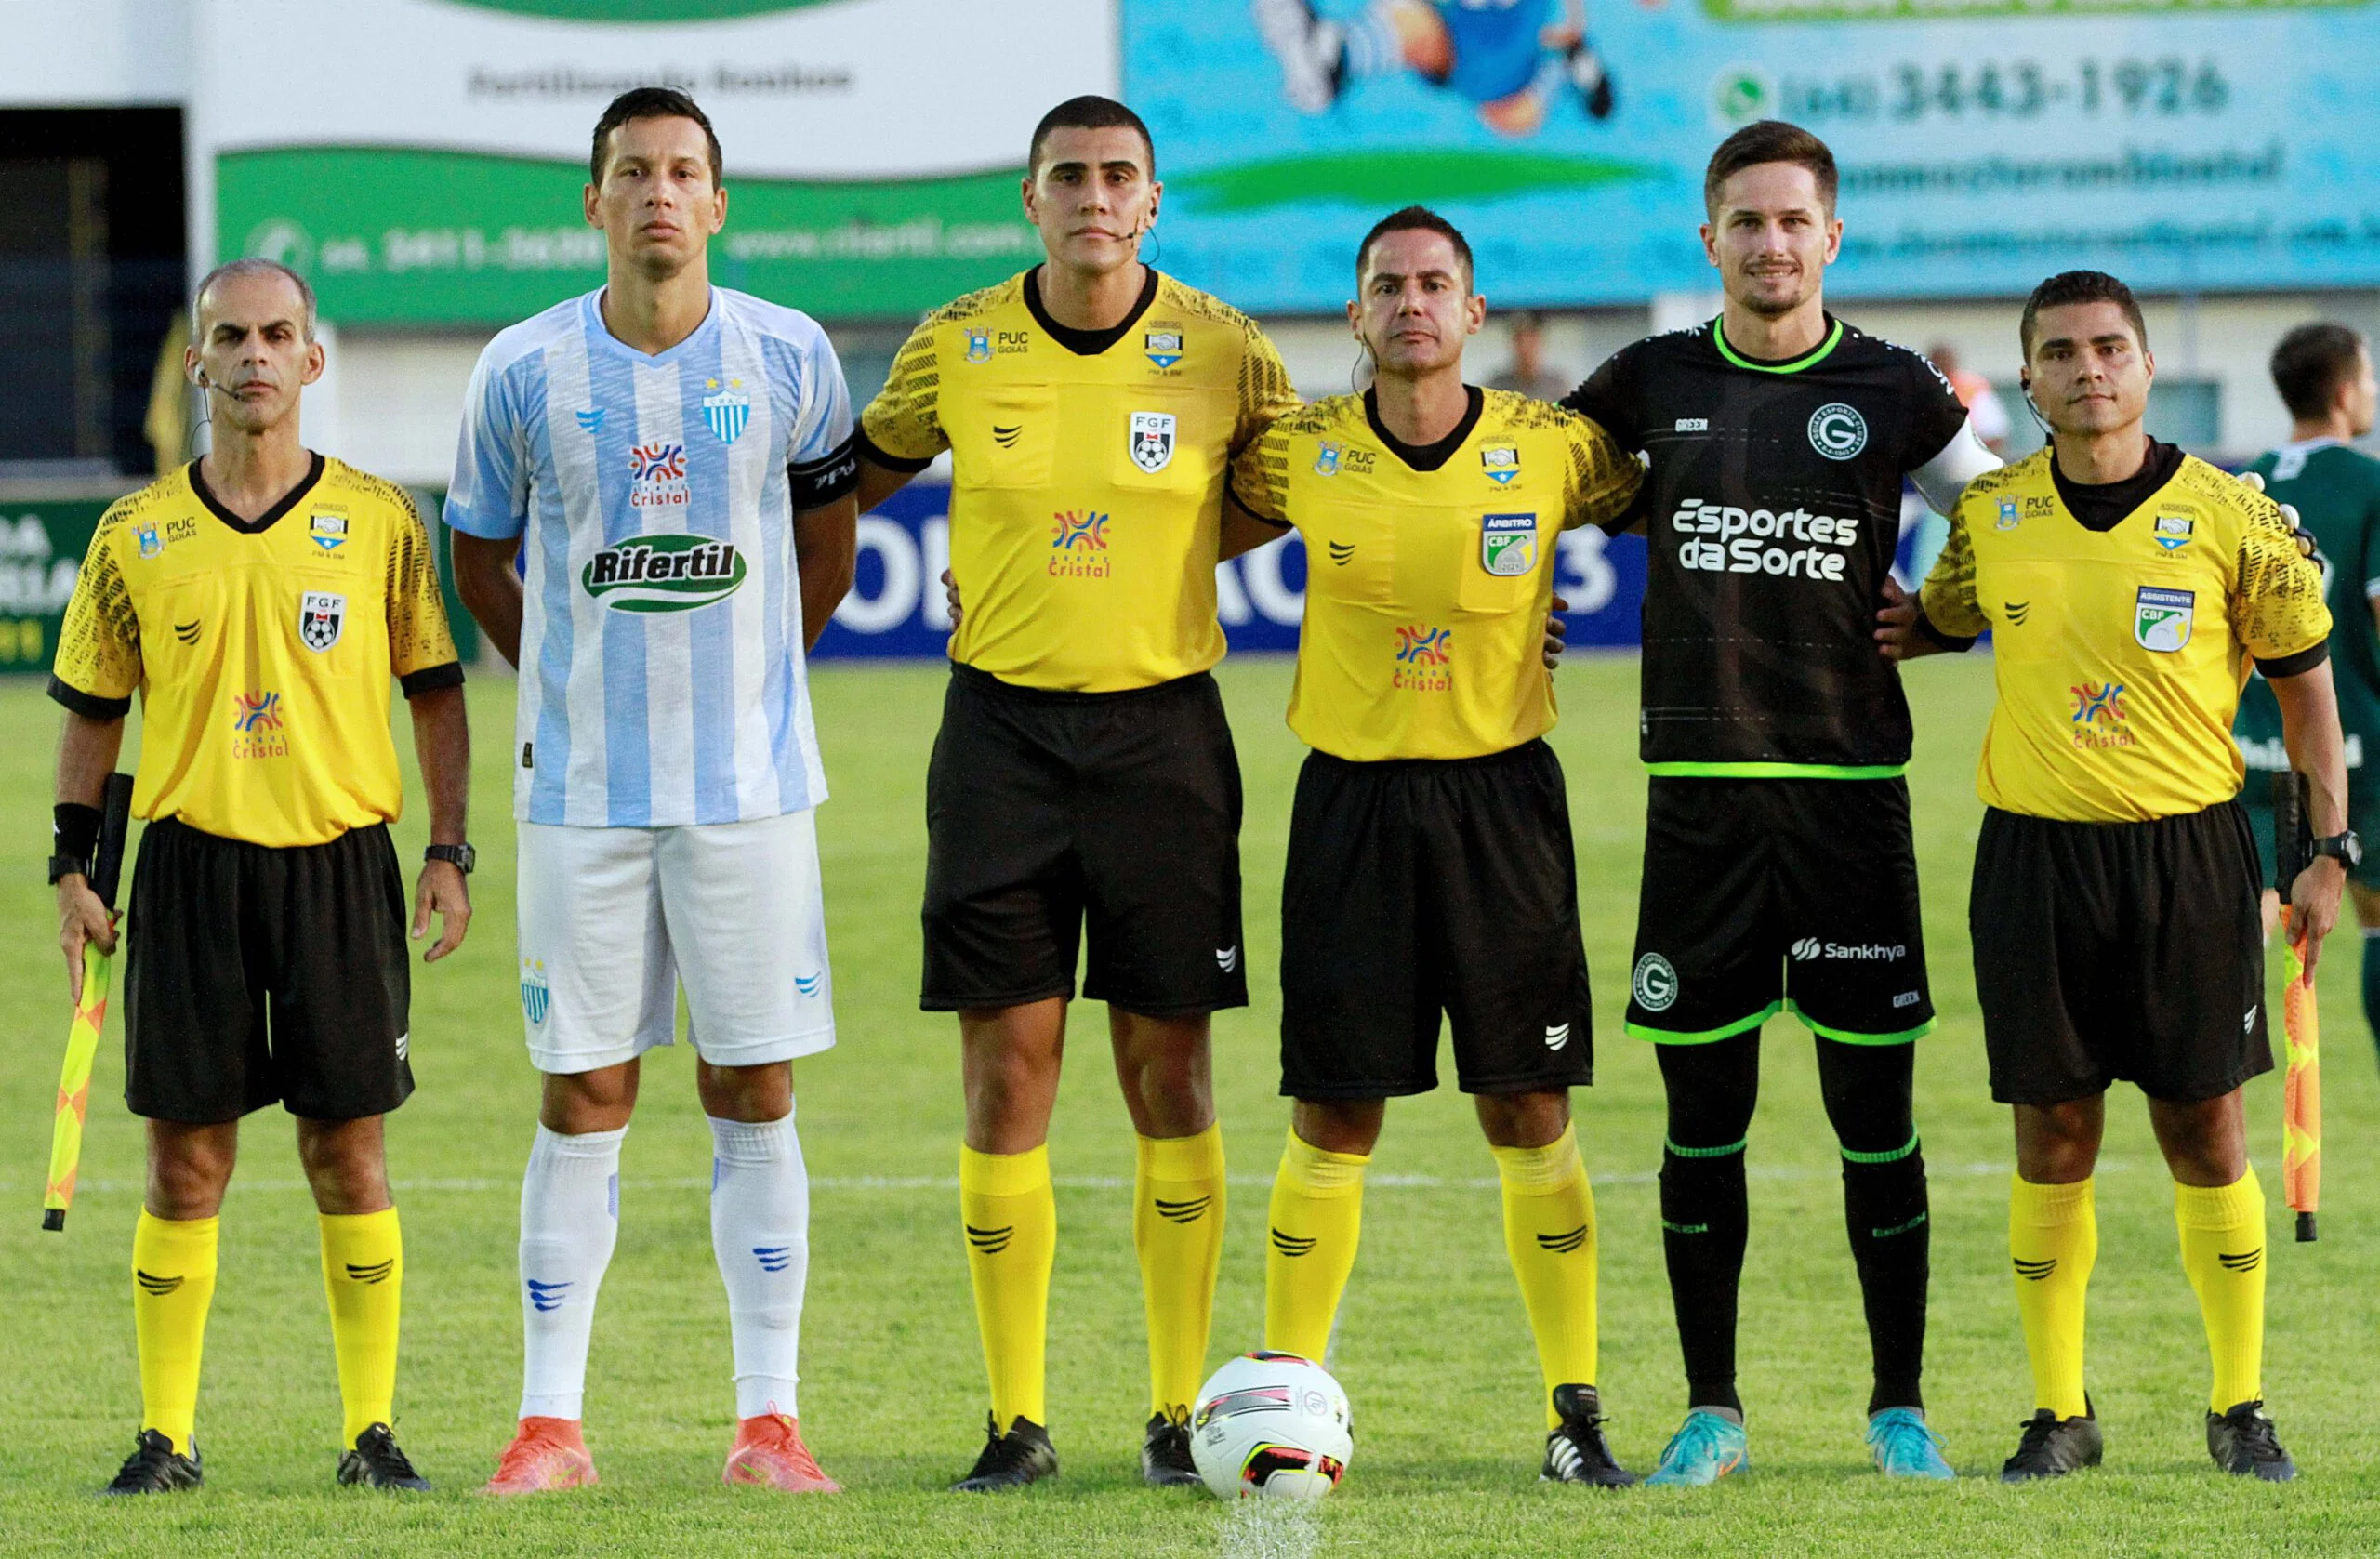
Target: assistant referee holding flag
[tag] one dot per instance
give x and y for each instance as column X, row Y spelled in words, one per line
column 2128, row 586
column 259, row 600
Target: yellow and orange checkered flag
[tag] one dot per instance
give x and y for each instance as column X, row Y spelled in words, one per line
column 2301, row 1019
column 90, row 1014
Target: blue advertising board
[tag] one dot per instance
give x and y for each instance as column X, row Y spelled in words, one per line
column 1983, row 143
column 896, row 607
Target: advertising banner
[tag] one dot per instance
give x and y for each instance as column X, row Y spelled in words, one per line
column 1983, row 143
column 431, row 167
column 41, row 552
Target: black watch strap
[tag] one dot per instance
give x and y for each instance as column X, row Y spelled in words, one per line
column 462, row 856
column 2345, row 847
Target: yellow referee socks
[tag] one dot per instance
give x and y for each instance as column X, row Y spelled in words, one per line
column 173, row 1282
column 1317, row 1216
column 2053, row 1240
column 1178, row 1229
column 1550, row 1234
column 1011, row 1217
column 2223, row 1250
column 364, row 1274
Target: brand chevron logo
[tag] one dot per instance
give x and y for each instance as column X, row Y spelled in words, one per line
column 808, row 985
column 543, row 1297
column 2246, row 1261
column 376, row 1272
column 1562, row 1243
column 1556, row 1036
column 774, row 1257
column 1227, row 959
column 153, row 1285
column 1291, row 1246
column 1006, row 437
column 1342, row 553
column 2033, row 1272
column 2016, row 611
column 187, row 632
column 991, row 1242
column 1182, row 1212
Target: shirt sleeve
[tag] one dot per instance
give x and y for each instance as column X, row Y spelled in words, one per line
column 1942, row 480
column 1265, row 392
column 489, row 496
column 1936, row 415
column 421, row 645
column 1603, row 477
column 821, row 462
column 1609, row 400
column 1259, row 475
column 2277, row 607
column 1948, row 597
column 902, row 427
column 98, row 666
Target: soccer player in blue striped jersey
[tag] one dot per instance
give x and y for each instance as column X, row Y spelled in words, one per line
column 671, row 462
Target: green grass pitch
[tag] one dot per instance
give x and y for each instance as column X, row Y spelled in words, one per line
column 1434, row 1347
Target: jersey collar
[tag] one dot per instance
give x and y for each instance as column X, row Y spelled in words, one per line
column 590, row 308
column 1810, row 359
column 1428, row 456
column 1086, row 343
column 263, row 522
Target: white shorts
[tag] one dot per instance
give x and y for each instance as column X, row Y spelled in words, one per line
column 612, row 920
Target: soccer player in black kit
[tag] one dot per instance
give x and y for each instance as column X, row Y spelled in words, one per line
column 1779, row 871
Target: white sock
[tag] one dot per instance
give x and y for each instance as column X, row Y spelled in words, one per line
column 570, row 1220
column 759, row 1231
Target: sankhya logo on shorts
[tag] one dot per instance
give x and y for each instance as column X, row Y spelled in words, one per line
column 1811, row 947
column 1655, row 985
column 1838, row 431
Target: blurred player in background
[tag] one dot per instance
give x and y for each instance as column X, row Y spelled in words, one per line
column 1779, row 874
column 2324, row 374
column 1511, row 58
column 1530, row 373
column 1083, row 771
column 1431, row 867
column 2114, row 906
column 259, row 599
column 671, row 462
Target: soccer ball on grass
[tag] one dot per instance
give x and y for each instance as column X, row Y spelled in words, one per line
column 1272, row 1424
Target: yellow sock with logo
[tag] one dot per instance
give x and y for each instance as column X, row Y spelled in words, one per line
column 2053, row 1240
column 1009, row 1214
column 1178, row 1229
column 1317, row 1219
column 173, row 1283
column 2223, row 1250
column 363, row 1276
column 1550, row 1234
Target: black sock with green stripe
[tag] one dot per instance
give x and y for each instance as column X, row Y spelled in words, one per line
column 1867, row 1093
column 1712, row 1091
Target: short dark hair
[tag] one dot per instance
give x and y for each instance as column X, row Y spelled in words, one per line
column 1770, row 141
column 2080, row 286
column 1089, row 112
column 2310, row 363
column 1414, row 218
column 652, row 102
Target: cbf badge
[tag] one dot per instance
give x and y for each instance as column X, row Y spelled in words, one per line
column 320, row 616
column 2160, row 619
column 1153, row 441
column 1508, row 544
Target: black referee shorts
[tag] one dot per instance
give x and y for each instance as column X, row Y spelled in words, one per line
column 2108, row 951
column 254, row 974
column 1045, row 810
column 1417, row 887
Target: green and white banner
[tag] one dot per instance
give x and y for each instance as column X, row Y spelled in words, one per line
column 429, row 170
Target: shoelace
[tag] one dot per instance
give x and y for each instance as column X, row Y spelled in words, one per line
column 1696, row 1437
column 1004, row 1454
column 383, row 1453
column 1906, row 1439
column 2258, row 1434
column 2037, row 1434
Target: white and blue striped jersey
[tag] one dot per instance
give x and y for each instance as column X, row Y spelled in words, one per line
column 662, row 674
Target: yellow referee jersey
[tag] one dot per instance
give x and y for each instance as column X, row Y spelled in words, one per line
column 1429, row 571
column 1087, row 475
column 2120, row 653
column 261, row 650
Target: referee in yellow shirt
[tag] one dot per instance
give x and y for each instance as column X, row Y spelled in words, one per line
column 1430, row 863
column 2128, row 588
column 260, row 600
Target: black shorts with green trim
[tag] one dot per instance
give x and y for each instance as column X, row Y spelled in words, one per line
column 2362, row 815
column 2119, row 951
column 1763, row 895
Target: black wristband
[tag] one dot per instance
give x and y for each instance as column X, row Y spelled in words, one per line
column 74, row 830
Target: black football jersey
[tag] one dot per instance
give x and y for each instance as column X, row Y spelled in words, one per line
column 1772, row 513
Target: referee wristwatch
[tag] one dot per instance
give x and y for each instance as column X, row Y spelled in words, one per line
column 462, row 856
column 2345, row 847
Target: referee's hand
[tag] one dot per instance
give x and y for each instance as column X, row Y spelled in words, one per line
column 442, row 888
column 1556, row 633
column 2314, row 909
column 82, row 919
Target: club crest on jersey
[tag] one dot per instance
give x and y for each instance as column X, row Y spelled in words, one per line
column 320, row 616
column 657, row 476
column 2173, row 531
column 1162, row 347
column 329, row 530
column 1838, row 431
column 149, row 545
column 727, row 413
column 1153, row 441
column 979, row 346
column 2009, row 518
column 2161, row 619
column 535, row 994
column 1502, row 462
column 1508, row 544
